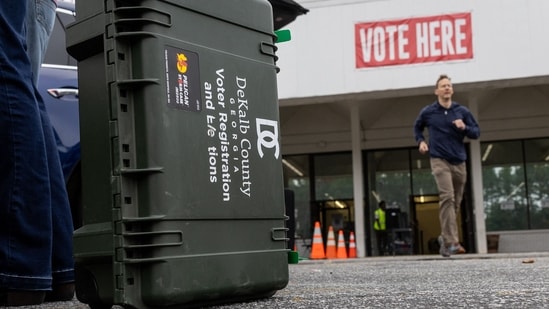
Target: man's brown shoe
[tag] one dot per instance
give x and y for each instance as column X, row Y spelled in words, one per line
column 24, row 298
column 61, row 292
column 457, row 249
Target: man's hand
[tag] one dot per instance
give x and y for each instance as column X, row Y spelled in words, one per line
column 459, row 124
column 423, row 147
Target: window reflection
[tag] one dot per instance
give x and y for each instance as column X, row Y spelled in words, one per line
column 537, row 171
column 423, row 180
column 389, row 173
column 516, row 184
column 333, row 176
column 296, row 178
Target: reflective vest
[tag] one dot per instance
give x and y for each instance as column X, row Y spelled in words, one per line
column 379, row 217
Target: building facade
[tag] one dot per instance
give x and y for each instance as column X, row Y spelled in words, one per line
column 351, row 83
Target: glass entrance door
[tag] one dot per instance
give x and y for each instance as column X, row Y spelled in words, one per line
column 426, row 208
column 339, row 214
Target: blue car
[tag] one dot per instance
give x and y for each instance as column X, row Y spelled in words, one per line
column 58, row 85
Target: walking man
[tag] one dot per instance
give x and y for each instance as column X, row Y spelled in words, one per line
column 448, row 123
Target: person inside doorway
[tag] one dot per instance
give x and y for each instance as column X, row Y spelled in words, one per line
column 448, row 124
column 380, row 227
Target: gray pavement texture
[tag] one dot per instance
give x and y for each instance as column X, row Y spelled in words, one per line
column 464, row 281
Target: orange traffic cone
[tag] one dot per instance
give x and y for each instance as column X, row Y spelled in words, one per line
column 331, row 250
column 341, row 250
column 317, row 249
column 352, row 246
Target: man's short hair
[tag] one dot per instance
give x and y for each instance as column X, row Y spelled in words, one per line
column 441, row 77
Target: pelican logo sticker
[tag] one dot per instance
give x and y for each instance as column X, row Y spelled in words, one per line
column 182, row 79
column 267, row 136
column 182, row 63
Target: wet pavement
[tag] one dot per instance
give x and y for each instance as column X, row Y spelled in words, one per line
column 464, row 281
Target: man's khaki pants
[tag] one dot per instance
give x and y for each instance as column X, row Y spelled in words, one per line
column 450, row 181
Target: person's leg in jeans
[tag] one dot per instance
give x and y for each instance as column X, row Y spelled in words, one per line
column 447, row 212
column 25, row 209
column 40, row 21
column 62, row 226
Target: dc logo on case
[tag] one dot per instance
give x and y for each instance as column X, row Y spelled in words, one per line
column 267, row 136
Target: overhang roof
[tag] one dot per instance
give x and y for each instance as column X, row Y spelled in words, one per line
column 285, row 11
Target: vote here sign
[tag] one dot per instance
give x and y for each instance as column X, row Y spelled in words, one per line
column 414, row 40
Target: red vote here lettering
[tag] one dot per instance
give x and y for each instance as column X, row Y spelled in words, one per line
column 414, row 40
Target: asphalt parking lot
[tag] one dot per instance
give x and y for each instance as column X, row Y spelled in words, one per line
column 465, row 281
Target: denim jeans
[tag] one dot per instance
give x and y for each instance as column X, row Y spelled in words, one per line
column 35, row 220
column 40, row 20
column 450, row 180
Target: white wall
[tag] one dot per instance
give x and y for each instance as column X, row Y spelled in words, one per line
column 509, row 41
